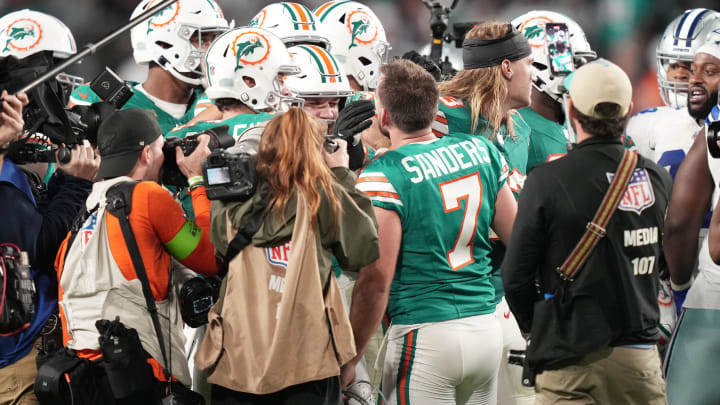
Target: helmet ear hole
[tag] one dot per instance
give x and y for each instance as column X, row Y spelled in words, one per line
column 365, row 61
column 249, row 81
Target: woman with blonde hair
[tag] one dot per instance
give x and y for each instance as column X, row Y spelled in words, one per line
column 482, row 99
column 279, row 333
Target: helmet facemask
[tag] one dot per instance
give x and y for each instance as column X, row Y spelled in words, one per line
column 673, row 93
column 184, row 59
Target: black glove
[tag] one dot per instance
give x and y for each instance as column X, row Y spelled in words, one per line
column 352, row 120
column 425, row 63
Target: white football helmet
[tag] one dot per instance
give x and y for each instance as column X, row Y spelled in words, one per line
column 321, row 76
column 293, row 23
column 679, row 43
column 165, row 38
column 27, row 32
column 254, row 54
column 532, row 25
column 358, row 39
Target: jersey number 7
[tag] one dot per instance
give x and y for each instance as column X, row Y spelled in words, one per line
column 468, row 188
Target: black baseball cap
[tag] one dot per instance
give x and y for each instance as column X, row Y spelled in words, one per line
column 121, row 138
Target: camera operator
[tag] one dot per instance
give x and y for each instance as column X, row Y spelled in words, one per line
column 38, row 41
column 130, row 143
column 37, row 225
column 277, row 284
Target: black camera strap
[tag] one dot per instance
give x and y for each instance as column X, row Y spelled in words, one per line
column 244, row 235
column 119, row 204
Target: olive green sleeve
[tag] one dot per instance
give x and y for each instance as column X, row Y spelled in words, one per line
column 354, row 240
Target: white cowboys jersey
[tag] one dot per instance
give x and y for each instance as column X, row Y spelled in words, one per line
column 664, row 135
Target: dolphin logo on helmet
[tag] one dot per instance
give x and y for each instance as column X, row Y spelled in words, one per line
column 358, row 27
column 22, row 35
column 359, row 24
column 246, row 48
column 161, row 18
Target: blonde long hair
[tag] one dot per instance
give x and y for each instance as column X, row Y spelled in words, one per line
column 484, row 89
column 290, row 158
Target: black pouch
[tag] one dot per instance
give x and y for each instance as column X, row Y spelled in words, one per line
column 124, row 359
column 17, row 303
column 59, row 373
column 565, row 328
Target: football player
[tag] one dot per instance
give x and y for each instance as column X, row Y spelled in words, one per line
column 545, row 115
column 172, row 43
column 482, row 100
column 245, row 70
column 690, row 357
column 665, row 133
column 444, row 344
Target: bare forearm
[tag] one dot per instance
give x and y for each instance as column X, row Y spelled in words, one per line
column 369, row 302
column 681, row 246
column 692, row 192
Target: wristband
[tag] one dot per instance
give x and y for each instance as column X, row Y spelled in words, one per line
column 680, row 287
column 195, row 180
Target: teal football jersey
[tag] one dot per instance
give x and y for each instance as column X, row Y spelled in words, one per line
column 236, row 125
column 203, row 102
column 363, row 95
column 547, row 140
column 444, row 192
column 454, row 117
column 83, row 95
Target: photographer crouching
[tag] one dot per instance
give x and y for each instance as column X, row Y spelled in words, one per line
column 279, row 333
column 119, row 312
column 35, row 220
